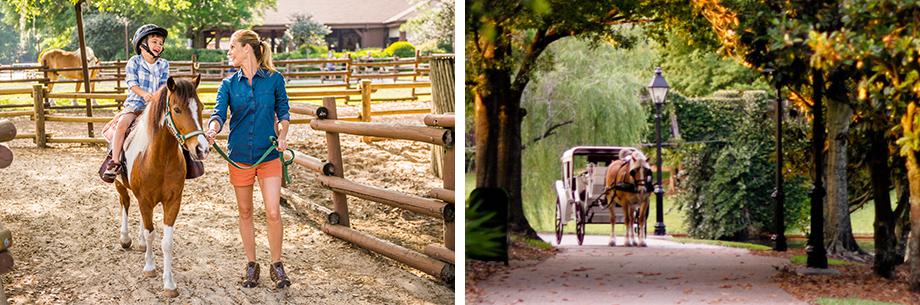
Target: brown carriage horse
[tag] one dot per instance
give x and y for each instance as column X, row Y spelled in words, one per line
column 628, row 180
column 156, row 168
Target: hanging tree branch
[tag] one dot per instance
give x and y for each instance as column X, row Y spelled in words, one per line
column 549, row 131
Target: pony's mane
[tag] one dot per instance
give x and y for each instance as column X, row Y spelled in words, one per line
column 157, row 109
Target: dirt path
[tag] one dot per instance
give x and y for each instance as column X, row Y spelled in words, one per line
column 65, row 225
column 665, row 272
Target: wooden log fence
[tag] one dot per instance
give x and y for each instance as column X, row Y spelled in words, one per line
column 41, row 116
column 348, row 68
column 7, row 133
column 435, row 260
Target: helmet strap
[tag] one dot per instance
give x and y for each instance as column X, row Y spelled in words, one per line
column 144, row 46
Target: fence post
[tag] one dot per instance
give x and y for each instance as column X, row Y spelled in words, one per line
column 194, row 64
column 441, row 76
column 366, row 104
column 339, row 201
column 415, row 71
column 46, row 82
column 348, row 72
column 118, row 75
column 448, row 177
column 39, row 104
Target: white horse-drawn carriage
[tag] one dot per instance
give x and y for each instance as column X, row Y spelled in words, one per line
column 582, row 195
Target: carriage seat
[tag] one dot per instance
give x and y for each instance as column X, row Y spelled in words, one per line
column 596, row 181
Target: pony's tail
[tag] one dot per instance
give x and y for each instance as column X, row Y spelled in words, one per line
column 41, row 57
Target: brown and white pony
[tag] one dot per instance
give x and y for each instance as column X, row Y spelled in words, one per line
column 58, row 59
column 629, row 182
column 156, row 167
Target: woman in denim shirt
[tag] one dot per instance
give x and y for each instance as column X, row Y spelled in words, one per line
column 256, row 97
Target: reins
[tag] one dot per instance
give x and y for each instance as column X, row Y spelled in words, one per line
column 182, row 138
column 284, row 163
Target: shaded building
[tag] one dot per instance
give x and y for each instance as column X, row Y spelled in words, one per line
column 355, row 24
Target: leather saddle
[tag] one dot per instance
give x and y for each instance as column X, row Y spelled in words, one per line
column 193, row 169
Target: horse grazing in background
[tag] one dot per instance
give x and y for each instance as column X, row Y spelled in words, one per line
column 156, row 168
column 58, row 59
column 628, row 180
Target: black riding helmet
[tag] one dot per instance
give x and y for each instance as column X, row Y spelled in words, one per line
column 142, row 33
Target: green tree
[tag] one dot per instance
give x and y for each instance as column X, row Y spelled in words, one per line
column 772, row 35
column 433, row 28
column 505, row 38
column 105, row 33
column 54, row 20
column 696, row 69
column 589, row 95
column 305, row 30
column 880, row 37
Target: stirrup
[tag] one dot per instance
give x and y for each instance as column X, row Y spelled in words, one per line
column 112, row 170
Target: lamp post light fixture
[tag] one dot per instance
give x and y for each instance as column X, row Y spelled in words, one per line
column 658, row 89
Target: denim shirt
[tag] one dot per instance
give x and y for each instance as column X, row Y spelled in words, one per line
column 254, row 111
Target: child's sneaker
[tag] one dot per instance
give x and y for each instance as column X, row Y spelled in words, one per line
column 111, row 171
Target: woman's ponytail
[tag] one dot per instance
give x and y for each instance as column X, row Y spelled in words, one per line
column 266, row 60
column 261, row 49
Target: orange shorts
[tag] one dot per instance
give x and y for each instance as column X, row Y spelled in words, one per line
column 247, row 177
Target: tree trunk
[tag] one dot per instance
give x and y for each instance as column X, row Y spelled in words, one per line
column 442, row 101
column 838, row 231
column 498, row 129
column 913, row 176
column 886, row 257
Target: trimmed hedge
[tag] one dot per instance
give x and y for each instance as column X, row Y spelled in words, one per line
column 725, row 187
column 401, row 49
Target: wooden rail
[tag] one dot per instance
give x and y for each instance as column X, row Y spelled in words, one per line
column 434, row 134
column 438, row 260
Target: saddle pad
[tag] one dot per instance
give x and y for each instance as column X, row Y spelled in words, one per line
column 108, row 131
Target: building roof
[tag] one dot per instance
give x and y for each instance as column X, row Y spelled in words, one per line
column 334, row 12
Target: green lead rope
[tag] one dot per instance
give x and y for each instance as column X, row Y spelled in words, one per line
column 284, row 163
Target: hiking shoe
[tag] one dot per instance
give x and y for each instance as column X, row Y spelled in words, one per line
column 279, row 276
column 252, row 275
column 111, row 171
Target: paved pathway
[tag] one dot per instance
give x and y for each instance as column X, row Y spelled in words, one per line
column 665, row 272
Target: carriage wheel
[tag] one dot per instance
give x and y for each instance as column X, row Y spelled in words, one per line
column 559, row 222
column 580, row 223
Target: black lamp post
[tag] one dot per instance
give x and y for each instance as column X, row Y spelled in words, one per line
column 779, row 194
column 658, row 89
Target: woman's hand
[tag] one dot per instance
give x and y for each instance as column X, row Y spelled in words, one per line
column 282, row 144
column 211, row 133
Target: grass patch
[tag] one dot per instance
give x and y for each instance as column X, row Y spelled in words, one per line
column 802, row 260
column 733, row 244
column 867, row 245
column 850, row 301
column 536, row 243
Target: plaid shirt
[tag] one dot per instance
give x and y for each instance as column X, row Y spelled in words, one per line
column 137, row 74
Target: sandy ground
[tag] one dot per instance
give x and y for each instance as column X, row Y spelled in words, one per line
column 65, row 225
column 665, row 272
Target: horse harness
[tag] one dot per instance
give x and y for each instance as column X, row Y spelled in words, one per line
column 622, row 187
column 172, row 126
